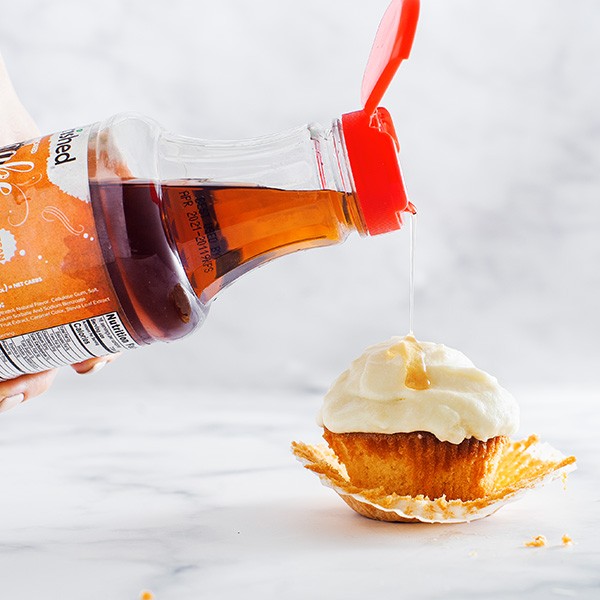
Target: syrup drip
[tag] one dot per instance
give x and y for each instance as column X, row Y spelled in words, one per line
column 414, row 358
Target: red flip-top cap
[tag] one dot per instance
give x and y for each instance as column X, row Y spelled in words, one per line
column 369, row 133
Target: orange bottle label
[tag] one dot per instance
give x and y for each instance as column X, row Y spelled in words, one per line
column 57, row 304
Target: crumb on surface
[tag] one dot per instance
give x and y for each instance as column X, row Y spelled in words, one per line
column 473, row 554
column 146, row 595
column 537, row 542
column 567, row 540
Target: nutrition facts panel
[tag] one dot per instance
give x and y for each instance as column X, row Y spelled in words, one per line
column 62, row 345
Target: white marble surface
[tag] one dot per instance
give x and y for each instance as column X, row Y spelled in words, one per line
column 193, row 493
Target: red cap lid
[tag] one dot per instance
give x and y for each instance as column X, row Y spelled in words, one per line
column 369, row 134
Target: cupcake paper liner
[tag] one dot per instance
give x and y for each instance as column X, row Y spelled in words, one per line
column 524, row 465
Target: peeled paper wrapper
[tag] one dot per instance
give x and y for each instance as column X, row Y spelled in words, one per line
column 524, row 465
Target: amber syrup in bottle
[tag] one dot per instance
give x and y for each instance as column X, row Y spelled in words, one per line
column 151, row 233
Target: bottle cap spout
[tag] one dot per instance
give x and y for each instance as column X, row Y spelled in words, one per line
column 369, row 134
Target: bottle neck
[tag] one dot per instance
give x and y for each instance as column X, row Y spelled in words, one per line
column 306, row 158
column 232, row 206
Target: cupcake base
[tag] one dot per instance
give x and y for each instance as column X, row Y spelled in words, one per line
column 413, row 464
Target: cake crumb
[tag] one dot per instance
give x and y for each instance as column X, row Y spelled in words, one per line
column 473, row 554
column 567, row 540
column 146, row 595
column 537, row 542
column 564, row 478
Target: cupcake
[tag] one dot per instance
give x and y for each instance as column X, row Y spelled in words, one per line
column 418, row 419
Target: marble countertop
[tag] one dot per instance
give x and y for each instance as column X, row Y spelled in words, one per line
column 195, row 494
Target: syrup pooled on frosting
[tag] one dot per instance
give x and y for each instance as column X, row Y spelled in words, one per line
column 414, row 362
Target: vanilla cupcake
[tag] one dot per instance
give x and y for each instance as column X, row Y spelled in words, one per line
column 418, row 419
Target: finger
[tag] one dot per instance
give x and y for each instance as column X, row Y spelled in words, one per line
column 23, row 388
column 92, row 365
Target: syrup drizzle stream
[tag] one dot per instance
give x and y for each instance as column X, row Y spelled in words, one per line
column 411, row 273
column 414, row 358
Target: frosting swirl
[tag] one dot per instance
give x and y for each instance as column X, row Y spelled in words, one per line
column 451, row 398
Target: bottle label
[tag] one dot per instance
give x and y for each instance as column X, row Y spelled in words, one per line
column 64, row 344
column 57, row 304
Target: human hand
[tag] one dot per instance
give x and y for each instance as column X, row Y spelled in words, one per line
column 16, row 125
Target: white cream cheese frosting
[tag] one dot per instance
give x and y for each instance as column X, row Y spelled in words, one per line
column 458, row 401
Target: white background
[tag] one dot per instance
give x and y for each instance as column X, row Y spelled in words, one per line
column 498, row 116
